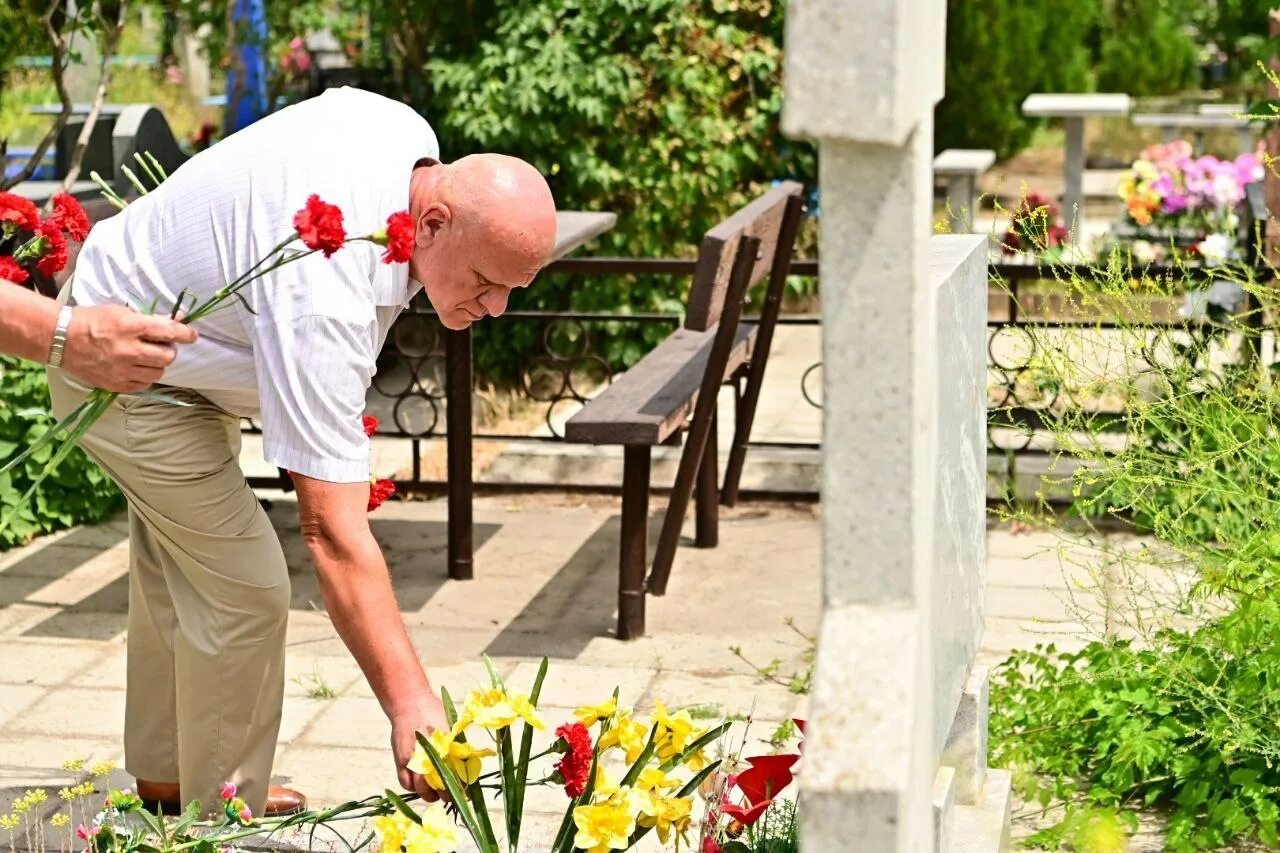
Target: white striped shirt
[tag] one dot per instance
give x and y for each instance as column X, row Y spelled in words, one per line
column 304, row 357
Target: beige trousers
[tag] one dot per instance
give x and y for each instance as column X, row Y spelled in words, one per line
column 208, row 595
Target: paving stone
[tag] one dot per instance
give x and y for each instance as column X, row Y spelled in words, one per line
column 88, row 713
column 570, row 685
column 16, row 698
column 349, row 721
column 728, row 694
column 47, row 663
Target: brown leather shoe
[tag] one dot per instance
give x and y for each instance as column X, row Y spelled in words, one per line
column 166, row 798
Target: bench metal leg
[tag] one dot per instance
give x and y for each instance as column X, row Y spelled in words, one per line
column 707, row 534
column 458, row 448
column 634, row 552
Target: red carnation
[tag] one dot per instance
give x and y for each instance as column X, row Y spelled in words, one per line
column 16, row 209
column 379, row 492
column 399, row 238
column 11, row 270
column 319, row 226
column 370, row 425
column 575, row 767
column 55, row 255
column 70, row 217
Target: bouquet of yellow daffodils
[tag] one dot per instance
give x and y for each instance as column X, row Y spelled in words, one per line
column 622, row 778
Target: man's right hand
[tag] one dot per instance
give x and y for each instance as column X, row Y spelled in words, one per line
column 118, row 349
column 404, row 742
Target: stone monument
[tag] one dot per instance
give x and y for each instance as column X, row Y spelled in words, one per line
column 895, row 755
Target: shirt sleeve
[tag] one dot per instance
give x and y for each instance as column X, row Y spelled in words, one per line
column 315, row 357
column 313, row 375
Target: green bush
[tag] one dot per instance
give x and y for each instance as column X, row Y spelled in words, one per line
column 998, row 53
column 78, row 492
column 1145, row 48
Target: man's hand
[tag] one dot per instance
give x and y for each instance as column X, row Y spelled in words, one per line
column 116, row 348
column 404, row 740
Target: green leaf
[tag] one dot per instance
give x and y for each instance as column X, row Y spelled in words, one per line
column 402, row 806
column 516, row 801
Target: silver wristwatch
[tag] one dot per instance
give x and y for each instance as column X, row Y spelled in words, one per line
column 60, row 337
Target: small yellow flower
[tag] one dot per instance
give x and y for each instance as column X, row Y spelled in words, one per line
column 589, row 715
column 604, row 827
column 497, row 709
column 653, row 779
column 391, row 831
column 60, row 820
column 664, row 814
column 675, row 732
column 21, row 806
column 437, row 834
column 38, row 796
column 75, row 765
column 102, row 768
column 463, row 759
column 628, row 735
column 10, row 821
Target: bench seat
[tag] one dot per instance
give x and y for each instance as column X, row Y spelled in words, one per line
column 651, row 401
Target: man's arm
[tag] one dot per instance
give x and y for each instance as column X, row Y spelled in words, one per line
column 357, row 593
column 108, row 346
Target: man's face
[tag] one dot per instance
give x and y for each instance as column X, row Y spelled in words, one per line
column 469, row 279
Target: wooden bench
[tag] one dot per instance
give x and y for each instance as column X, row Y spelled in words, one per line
column 671, row 394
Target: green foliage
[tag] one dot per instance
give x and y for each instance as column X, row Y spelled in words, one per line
column 1177, row 719
column 1145, row 48
column 778, row 831
column 77, row 492
column 1000, row 52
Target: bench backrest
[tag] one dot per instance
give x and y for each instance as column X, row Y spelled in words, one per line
column 761, row 219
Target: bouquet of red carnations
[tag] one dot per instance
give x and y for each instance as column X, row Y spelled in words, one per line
column 32, row 248
column 318, row 226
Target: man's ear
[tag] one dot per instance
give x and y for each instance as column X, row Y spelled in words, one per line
column 434, row 218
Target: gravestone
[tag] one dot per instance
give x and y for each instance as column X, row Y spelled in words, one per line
column 895, row 755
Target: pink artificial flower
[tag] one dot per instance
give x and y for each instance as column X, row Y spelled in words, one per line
column 84, row 833
column 228, row 791
column 246, row 815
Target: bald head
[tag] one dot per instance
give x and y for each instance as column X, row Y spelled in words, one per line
column 485, row 225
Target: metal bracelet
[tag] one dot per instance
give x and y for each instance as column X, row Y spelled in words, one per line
column 59, row 346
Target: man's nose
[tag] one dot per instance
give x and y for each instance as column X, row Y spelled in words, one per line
column 495, row 301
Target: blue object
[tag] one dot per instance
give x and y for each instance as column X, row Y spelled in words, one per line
column 247, row 74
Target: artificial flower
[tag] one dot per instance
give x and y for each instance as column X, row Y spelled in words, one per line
column 626, row 734
column 710, row 845
column 398, row 237
column 766, row 777
column 589, row 715
column 370, row 425
column 20, row 211
column 462, row 758
column 391, row 830
column 575, row 766
column 497, row 709
column 435, row 834
column 228, row 791
column 748, row 814
column 674, row 732
column 11, row 270
column 604, row 826
column 70, row 216
column 664, row 814
column 319, row 226
column 84, row 833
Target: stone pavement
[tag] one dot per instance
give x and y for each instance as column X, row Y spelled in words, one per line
column 545, row 585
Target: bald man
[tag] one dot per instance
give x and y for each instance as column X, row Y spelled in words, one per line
column 209, row 589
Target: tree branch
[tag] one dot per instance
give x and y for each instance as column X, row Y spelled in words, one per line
column 110, row 43
column 59, row 52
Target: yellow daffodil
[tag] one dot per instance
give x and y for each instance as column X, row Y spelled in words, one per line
column 497, row 709
column 675, row 732
column 462, row 758
column 391, row 831
column 589, row 715
column 628, row 735
column 664, row 814
column 604, row 827
column 653, row 779
column 437, row 834
column 59, row 820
